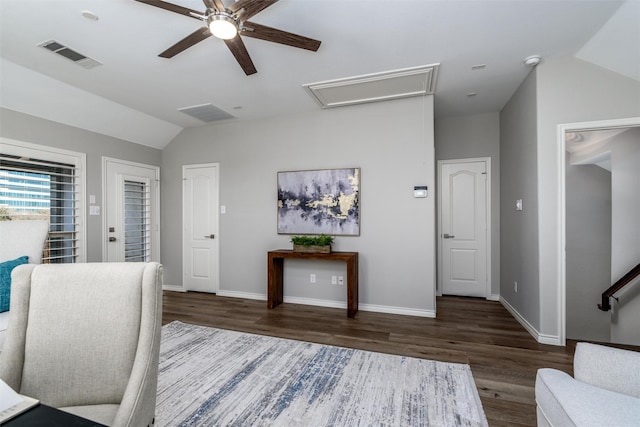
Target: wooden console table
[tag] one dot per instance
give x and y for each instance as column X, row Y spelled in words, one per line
column 275, row 267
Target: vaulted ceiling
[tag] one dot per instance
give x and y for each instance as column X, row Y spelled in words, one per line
column 135, row 95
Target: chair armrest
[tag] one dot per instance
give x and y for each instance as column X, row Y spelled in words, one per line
column 607, row 367
column 563, row 401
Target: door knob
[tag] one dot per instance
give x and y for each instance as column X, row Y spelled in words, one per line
column 112, row 239
column 448, row 236
column 210, row 236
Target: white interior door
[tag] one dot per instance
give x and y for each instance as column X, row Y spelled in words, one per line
column 463, row 228
column 131, row 221
column 200, row 232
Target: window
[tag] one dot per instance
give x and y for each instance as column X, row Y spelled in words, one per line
column 38, row 182
column 137, row 224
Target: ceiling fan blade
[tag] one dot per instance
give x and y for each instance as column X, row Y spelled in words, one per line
column 172, row 8
column 262, row 32
column 239, row 51
column 251, row 7
column 193, row 38
column 214, row 4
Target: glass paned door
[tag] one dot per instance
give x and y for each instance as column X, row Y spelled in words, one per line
column 131, row 212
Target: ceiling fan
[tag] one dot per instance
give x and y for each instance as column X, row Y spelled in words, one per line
column 228, row 24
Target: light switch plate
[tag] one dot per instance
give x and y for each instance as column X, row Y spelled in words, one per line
column 420, row 191
column 519, row 204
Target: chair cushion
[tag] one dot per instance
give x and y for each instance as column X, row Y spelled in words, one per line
column 4, row 321
column 610, row 368
column 104, row 323
column 5, row 280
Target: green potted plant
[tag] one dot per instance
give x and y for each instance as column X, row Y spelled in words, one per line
column 313, row 244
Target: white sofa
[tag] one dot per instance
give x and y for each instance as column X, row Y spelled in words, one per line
column 604, row 392
column 19, row 238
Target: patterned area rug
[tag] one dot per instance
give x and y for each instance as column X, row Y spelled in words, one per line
column 215, row 377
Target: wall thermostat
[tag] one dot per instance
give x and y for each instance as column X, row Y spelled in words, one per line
column 420, row 191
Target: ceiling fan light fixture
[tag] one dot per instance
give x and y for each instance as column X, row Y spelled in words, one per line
column 223, row 26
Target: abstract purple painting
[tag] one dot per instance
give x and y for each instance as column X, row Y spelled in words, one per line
column 325, row 201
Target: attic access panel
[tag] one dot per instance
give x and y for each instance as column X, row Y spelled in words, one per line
column 407, row 82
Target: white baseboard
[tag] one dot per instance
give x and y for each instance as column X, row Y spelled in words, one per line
column 362, row 307
column 174, row 288
column 540, row 337
column 493, row 297
column 334, row 304
column 550, row 339
column 524, row 322
column 316, row 302
column 397, row 310
column 245, row 295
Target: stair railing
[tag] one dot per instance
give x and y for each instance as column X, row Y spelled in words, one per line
column 624, row 281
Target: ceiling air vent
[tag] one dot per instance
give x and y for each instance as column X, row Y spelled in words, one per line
column 206, row 113
column 62, row 50
column 415, row 81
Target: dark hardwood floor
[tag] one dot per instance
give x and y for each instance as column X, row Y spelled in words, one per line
column 502, row 354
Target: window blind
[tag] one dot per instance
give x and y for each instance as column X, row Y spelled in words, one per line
column 40, row 189
column 137, row 223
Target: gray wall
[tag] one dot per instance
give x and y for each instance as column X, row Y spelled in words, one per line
column 469, row 137
column 568, row 91
column 392, row 143
column 519, row 230
column 588, row 243
column 23, row 127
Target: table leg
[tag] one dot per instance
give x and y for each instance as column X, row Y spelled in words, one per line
column 275, row 267
column 352, row 286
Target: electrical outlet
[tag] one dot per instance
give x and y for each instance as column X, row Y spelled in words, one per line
column 312, row 278
column 340, row 280
column 515, row 287
column 334, row 280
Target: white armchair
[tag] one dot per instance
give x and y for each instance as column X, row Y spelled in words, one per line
column 605, row 391
column 93, row 339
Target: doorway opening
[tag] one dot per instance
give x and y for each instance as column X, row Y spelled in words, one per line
column 596, row 237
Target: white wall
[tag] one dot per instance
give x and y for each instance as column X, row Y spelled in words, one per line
column 625, row 233
column 476, row 136
column 392, row 143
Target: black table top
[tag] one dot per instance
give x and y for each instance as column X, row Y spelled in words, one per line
column 46, row 416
